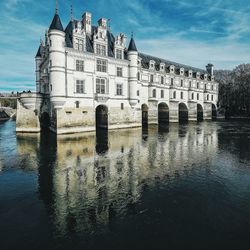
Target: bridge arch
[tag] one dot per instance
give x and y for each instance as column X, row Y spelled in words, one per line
column 101, row 117
column 183, row 112
column 200, row 113
column 163, row 113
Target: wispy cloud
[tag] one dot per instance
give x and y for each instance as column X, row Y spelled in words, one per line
column 192, row 32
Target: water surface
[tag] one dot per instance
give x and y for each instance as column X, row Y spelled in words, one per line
column 181, row 187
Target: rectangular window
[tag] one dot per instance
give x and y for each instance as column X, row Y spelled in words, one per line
column 162, row 93
column 181, row 83
column 162, row 80
column 80, row 87
column 118, row 54
column 151, row 78
column 79, row 65
column 212, row 97
column 119, row 89
column 154, row 93
column 181, row 95
column 101, row 65
column 138, row 93
column 101, row 50
column 100, row 85
column 119, row 71
column 198, row 96
column 122, row 106
column 172, row 81
column 79, row 44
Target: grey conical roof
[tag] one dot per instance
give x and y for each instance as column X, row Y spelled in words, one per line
column 132, row 46
column 56, row 23
column 39, row 53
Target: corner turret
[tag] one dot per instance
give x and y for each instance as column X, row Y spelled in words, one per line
column 133, row 71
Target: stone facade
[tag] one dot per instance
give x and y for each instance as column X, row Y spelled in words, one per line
column 83, row 67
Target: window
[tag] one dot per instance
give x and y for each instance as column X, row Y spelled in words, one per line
column 77, row 104
column 50, row 63
column 190, row 84
column 205, row 87
column 162, row 80
column 101, row 65
column 101, row 49
column 122, row 106
column 50, row 87
column 100, row 85
column 208, row 97
column 151, row 78
column 119, row 89
column 174, row 95
column 192, row 96
column 79, row 65
column 138, row 93
column 198, row 85
column 118, row 54
column 119, row 71
column 172, row 81
column 212, row 87
column 212, row 97
column 181, row 83
column 154, row 93
column 138, row 76
column 162, row 93
column 181, row 95
column 80, row 86
column 79, row 44
column 198, row 96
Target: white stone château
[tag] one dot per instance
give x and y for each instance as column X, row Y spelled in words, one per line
column 87, row 78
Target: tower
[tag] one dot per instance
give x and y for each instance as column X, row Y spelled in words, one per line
column 57, row 61
column 38, row 59
column 210, row 69
column 133, row 71
column 87, row 22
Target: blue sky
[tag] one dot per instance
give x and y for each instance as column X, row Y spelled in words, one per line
column 192, row 32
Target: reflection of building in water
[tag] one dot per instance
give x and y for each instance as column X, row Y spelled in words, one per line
column 88, row 189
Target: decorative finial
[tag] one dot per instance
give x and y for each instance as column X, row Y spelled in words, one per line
column 71, row 12
column 109, row 24
column 56, row 6
column 132, row 34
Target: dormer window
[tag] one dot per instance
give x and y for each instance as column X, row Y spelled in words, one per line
column 152, row 64
column 162, row 66
column 181, row 71
column 205, row 76
column 212, row 78
column 119, row 54
column 190, row 73
column 171, row 69
column 198, row 75
column 101, row 49
column 79, row 44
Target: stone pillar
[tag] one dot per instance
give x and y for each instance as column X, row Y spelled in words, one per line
column 173, row 112
column 152, row 113
column 192, row 111
column 207, row 111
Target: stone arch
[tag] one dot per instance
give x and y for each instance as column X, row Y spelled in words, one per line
column 144, row 109
column 45, row 121
column 183, row 112
column 214, row 112
column 101, row 117
column 200, row 113
column 163, row 113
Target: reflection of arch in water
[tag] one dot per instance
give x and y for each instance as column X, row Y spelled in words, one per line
column 183, row 113
column 200, row 115
column 102, row 141
column 163, row 113
column 214, row 112
column 144, row 109
column 101, row 115
column 45, row 121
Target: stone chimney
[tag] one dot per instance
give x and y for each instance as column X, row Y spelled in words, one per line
column 103, row 23
column 210, row 69
column 87, row 22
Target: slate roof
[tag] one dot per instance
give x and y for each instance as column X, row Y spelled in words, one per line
column 146, row 59
column 39, row 51
column 56, row 23
column 132, row 46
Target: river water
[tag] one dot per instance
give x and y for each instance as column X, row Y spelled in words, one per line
column 181, row 187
